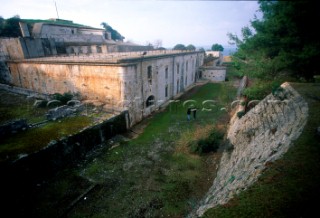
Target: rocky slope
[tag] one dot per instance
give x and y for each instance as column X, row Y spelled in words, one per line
column 264, row 134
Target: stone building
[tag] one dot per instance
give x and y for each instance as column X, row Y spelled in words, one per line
column 121, row 81
column 140, row 82
column 212, row 69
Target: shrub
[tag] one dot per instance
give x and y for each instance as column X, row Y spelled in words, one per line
column 261, row 89
column 243, row 103
column 206, row 145
column 63, row 98
column 42, row 104
column 240, row 114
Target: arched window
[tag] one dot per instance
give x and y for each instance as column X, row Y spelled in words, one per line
column 150, row 101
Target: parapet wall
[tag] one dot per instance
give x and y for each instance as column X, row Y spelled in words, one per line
column 263, row 135
column 58, row 154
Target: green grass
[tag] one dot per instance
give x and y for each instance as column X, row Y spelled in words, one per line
column 37, row 138
column 155, row 173
column 14, row 106
column 290, row 187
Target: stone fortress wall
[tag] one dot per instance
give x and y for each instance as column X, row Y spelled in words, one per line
column 263, row 135
column 58, row 58
column 140, row 84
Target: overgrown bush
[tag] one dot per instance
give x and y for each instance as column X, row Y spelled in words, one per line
column 261, row 89
column 63, row 98
column 206, row 145
column 241, row 114
column 42, row 104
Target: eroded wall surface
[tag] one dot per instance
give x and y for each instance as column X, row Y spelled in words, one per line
column 141, row 85
column 263, row 135
column 90, row 81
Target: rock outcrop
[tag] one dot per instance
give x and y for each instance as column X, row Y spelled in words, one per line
column 262, row 135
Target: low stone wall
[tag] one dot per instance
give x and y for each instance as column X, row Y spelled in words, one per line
column 262, row 135
column 13, row 127
column 59, row 154
column 22, row 91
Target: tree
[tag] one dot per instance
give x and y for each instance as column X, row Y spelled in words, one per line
column 115, row 35
column 157, row 43
column 191, row 47
column 10, row 27
column 217, row 47
column 282, row 44
column 179, row 47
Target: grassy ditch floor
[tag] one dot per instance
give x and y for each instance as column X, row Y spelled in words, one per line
column 35, row 139
column 289, row 187
column 15, row 106
column 153, row 175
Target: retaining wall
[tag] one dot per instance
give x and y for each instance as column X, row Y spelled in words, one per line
column 57, row 155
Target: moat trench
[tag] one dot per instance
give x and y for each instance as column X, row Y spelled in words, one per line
column 75, row 192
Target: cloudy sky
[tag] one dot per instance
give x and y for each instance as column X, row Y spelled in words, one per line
column 200, row 23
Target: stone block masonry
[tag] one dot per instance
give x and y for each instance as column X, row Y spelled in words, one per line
column 125, row 81
column 263, row 135
column 46, row 162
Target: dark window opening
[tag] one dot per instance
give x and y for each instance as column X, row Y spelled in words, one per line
column 166, row 91
column 177, row 86
column 166, row 73
column 150, row 74
column 150, row 101
column 99, row 49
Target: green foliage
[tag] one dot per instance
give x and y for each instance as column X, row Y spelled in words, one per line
column 179, row 47
column 115, row 35
column 317, row 78
column 217, row 47
column 191, row 47
column 260, row 89
column 63, row 98
column 240, row 114
column 282, row 43
column 43, row 104
column 10, row 27
column 209, row 144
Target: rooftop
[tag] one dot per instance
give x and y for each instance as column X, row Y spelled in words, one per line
column 109, row 58
column 54, row 21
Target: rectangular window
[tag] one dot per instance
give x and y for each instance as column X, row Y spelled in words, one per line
column 99, row 49
column 166, row 72
column 166, row 91
column 178, row 68
column 178, row 86
column 187, row 66
column 149, row 74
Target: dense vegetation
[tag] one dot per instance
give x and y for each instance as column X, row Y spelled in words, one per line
column 10, row 27
column 115, row 35
column 217, row 47
column 281, row 43
column 183, row 47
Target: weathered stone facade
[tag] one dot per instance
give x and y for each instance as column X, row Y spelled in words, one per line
column 215, row 74
column 263, row 135
column 134, row 82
